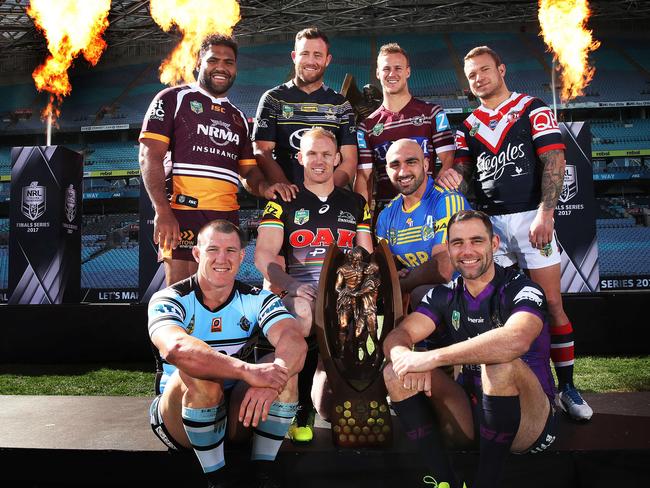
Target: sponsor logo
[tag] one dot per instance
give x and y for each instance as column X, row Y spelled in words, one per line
column 544, row 120
column 217, row 108
column 197, row 107
column 272, row 209
column 309, row 107
column 442, row 123
column 33, row 203
column 262, row 123
column 187, row 201
column 493, row 123
column 479, row 320
column 219, row 133
column 531, row 294
column 216, row 325
column 301, row 216
column 244, row 324
column 296, row 137
column 409, row 222
column 419, row 120
column 366, row 212
column 493, row 166
column 455, row 319
column 346, row 217
column 361, row 140
column 321, row 238
column 330, row 114
column 324, row 209
column 512, row 116
column 190, row 326
column 70, row 203
column 378, row 129
column 188, row 239
column 570, row 185
column 166, row 308
column 287, row 111
column 156, row 111
column 276, row 303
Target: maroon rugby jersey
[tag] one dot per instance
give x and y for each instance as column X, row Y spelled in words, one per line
column 504, row 146
column 208, row 141
column 421, row 121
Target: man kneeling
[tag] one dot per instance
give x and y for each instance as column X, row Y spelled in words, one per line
column 495, row 321
column 204, row 328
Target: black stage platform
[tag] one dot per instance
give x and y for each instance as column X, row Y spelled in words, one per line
column 52, row 442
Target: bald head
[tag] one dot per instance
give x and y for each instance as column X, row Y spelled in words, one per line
column 406, row 166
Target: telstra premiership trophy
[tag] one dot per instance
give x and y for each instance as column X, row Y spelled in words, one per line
column 359, row 302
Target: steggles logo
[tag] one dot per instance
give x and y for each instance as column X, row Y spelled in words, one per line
column 493, row 167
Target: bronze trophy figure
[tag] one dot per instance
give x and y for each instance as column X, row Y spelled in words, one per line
column 358, row 303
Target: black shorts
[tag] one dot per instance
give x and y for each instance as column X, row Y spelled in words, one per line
column 189, row 224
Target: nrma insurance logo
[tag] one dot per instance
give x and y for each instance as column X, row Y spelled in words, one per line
column 33, row 202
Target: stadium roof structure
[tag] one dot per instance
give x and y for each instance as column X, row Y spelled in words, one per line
column 269, row 20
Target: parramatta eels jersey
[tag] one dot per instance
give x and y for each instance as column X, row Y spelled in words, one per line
column 412, row 233
column 285, row 113
column 460, row 316
column 310, row 225
column 424, row 122
column 231, row 329
column 504, row 146
column 208, row 141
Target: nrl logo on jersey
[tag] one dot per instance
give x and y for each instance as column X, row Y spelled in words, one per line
column 570, row 185
column 301, row 216
column 287, row 111
column 197, row 107
column 33, row 204
column 378, row 129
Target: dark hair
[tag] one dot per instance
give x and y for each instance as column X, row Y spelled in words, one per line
column 464, row 215
column 223, row 226
column 477, row 51
column 393, row 48
column 313, row 32
column 217, row 40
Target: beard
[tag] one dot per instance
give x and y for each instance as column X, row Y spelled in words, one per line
column 216, row 89
column 412, row 188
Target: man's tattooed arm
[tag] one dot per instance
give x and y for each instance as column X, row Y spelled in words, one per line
column 552, row 178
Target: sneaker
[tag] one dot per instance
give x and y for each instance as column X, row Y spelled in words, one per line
column 572, row 403
column 302, row 428
column 431, row 481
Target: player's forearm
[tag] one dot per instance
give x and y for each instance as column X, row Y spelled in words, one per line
column 153, row 177
column 290, row 351
column 362, row 185
column 552, row 179
column 269, row 166
column 346, row 171
column 341, row 177
column 266, row 263
column 254, row 181
column 397, row 342
column 465, row 170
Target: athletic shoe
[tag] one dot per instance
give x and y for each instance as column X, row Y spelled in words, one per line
column 572, row 403
column 430, row 481
column 302, row 428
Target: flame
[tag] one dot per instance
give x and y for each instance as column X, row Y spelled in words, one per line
column 563, row 28
column 195, row 19
column 70, row 27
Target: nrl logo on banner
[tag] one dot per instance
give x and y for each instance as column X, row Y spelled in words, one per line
column 33, row 204
column 70, row 203
column 570, row 186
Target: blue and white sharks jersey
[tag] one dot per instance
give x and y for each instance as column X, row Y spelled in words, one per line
column 231, row 328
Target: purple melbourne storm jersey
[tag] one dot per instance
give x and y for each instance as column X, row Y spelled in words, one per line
column 459, row 317
column 208, row 141
column 423, row 122
column 504, row 146
column 310, row 225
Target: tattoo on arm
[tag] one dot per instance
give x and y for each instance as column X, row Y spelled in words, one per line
column 465, row 170
column 552, row 178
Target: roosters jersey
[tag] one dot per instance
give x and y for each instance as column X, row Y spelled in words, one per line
column 286, row 112
column 460, row 316
column 412, row 233
column 231, row 329
column 310, row 225
column 421, row 121
column 208, row 142
column 504, row 146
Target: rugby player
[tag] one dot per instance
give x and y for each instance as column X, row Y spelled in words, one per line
column 204, row 328
column 414, row 223
column 301, row 231
column 203, row 140
column 495, row 320
column 289, row 110
column 511, row 150
column 400, row 116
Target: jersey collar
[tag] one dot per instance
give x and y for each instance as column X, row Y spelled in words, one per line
column 199, row 295
column 290, row 84
column 219, row 101
column 491, row 112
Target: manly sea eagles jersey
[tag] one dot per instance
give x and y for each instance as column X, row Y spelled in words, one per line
column 412, row 233
column 421, row 121
column 504, row 146
column 231, row 329
column 459, row 316
column 285, row 113
column 208, row 141
column 310, row 225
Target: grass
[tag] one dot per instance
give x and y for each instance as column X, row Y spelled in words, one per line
column 592, row 374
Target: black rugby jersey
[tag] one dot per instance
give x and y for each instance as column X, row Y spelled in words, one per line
column 285, row 113
column 460, row 316
column 310, row 225
column 504, row 146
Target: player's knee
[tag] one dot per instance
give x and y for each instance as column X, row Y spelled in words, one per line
column 499, row 379
column 202, row 391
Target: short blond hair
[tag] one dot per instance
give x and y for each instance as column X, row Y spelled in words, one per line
column 316, row 132
column 477, row 51
column 393, row 48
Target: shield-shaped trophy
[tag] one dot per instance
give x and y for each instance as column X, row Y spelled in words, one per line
column 359, row 302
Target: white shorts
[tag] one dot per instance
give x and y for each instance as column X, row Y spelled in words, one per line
column 515, row 248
